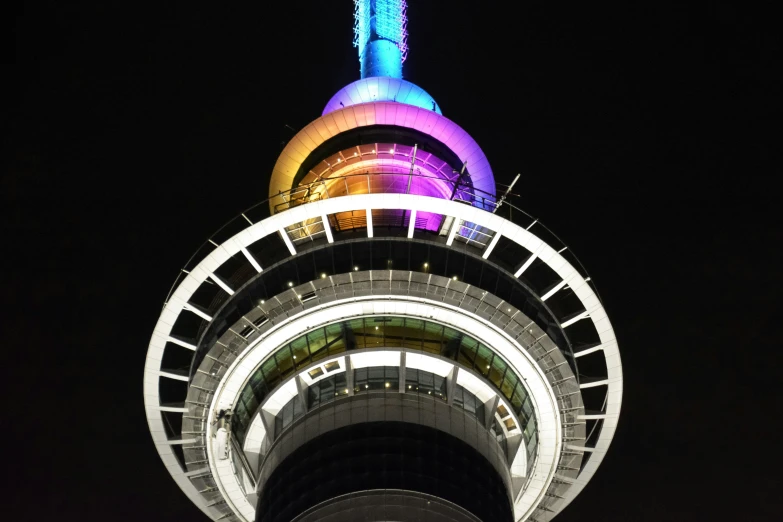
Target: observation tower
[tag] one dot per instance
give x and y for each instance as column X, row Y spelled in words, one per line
column 385, row 337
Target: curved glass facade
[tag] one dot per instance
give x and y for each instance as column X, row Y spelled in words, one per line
column 382, row 332
column 375, row 379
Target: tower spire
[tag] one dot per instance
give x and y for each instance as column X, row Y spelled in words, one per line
column 381, row 34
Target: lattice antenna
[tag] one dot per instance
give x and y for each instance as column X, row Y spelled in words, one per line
column 375, row 22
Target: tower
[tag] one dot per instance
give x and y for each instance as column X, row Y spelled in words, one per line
column 382, row 338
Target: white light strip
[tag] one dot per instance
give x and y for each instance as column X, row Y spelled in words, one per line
column 181, row 343
column 412, row 224
column 175, row 409
column 575, row 319
column 174, row 376
column 227, row 289
column 198, row 312
column 180, row 440
column 580, row 448
column 526, row 265
column 492, row 244
column 593, row 384
column 252, row 260
column 589, row 351
column 591, row 416
column 327, row 228
column 287, row 241
column 454, row 227
column 369, row 222
column 552, row 292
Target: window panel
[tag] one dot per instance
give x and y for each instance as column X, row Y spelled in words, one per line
column 335, row 338
column 483, row 360
column 356, row 326
column 316, row 341
column 413, row 333
column 285, row 362
column 301, row 354
column 510, row 383
column 497, row 371
column 271, row 373
column 467, row 351
column 432, row 337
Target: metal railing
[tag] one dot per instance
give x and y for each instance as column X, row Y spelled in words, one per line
column 331, row 188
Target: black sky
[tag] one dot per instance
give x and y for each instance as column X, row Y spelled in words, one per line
column 647, row 135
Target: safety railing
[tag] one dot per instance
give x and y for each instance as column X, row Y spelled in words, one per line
column 378, row 183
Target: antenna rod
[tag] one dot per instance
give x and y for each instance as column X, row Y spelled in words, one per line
column 381, row 33
column 506, row 193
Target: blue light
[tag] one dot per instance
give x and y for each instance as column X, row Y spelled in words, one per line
column 380, row 33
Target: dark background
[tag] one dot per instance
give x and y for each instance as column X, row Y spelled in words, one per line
column 647, row 135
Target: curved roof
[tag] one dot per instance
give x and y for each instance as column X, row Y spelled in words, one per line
column 381, row 113
column 381, row 88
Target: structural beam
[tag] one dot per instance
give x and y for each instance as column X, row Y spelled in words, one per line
column 252, row 260
column 491, row 245
column 287, row 241
column 327, row 228
column 554, row 290
column 180, row 342
column 196, row 310
column 526, row 265
column 227, row 289
column 412, row 224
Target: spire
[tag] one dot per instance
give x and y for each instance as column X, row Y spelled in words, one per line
column 381, row 33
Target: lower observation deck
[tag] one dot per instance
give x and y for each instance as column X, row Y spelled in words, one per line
column 565, row 294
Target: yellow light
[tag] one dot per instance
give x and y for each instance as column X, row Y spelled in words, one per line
column 387, row 385
column 323, row 276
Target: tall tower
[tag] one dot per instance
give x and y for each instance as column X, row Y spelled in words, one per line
column 382, row 338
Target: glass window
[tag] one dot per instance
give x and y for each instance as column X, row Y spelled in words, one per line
column 373, row 332
column 285, row 362
column 370, row 332
column 517, row 400
column 451, row 340
column 497, row 371
column 413, row 333
column 335, row 338
column 509, row 385
column 316, row 341
column 527, row 408
column 356, row 326
column 394, row 332
column 433, row 335
column 271, row 373
column 467, row 351
column 301, row 354
column 483, row 360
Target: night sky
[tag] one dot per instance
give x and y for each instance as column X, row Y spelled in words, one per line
column 647, row 136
